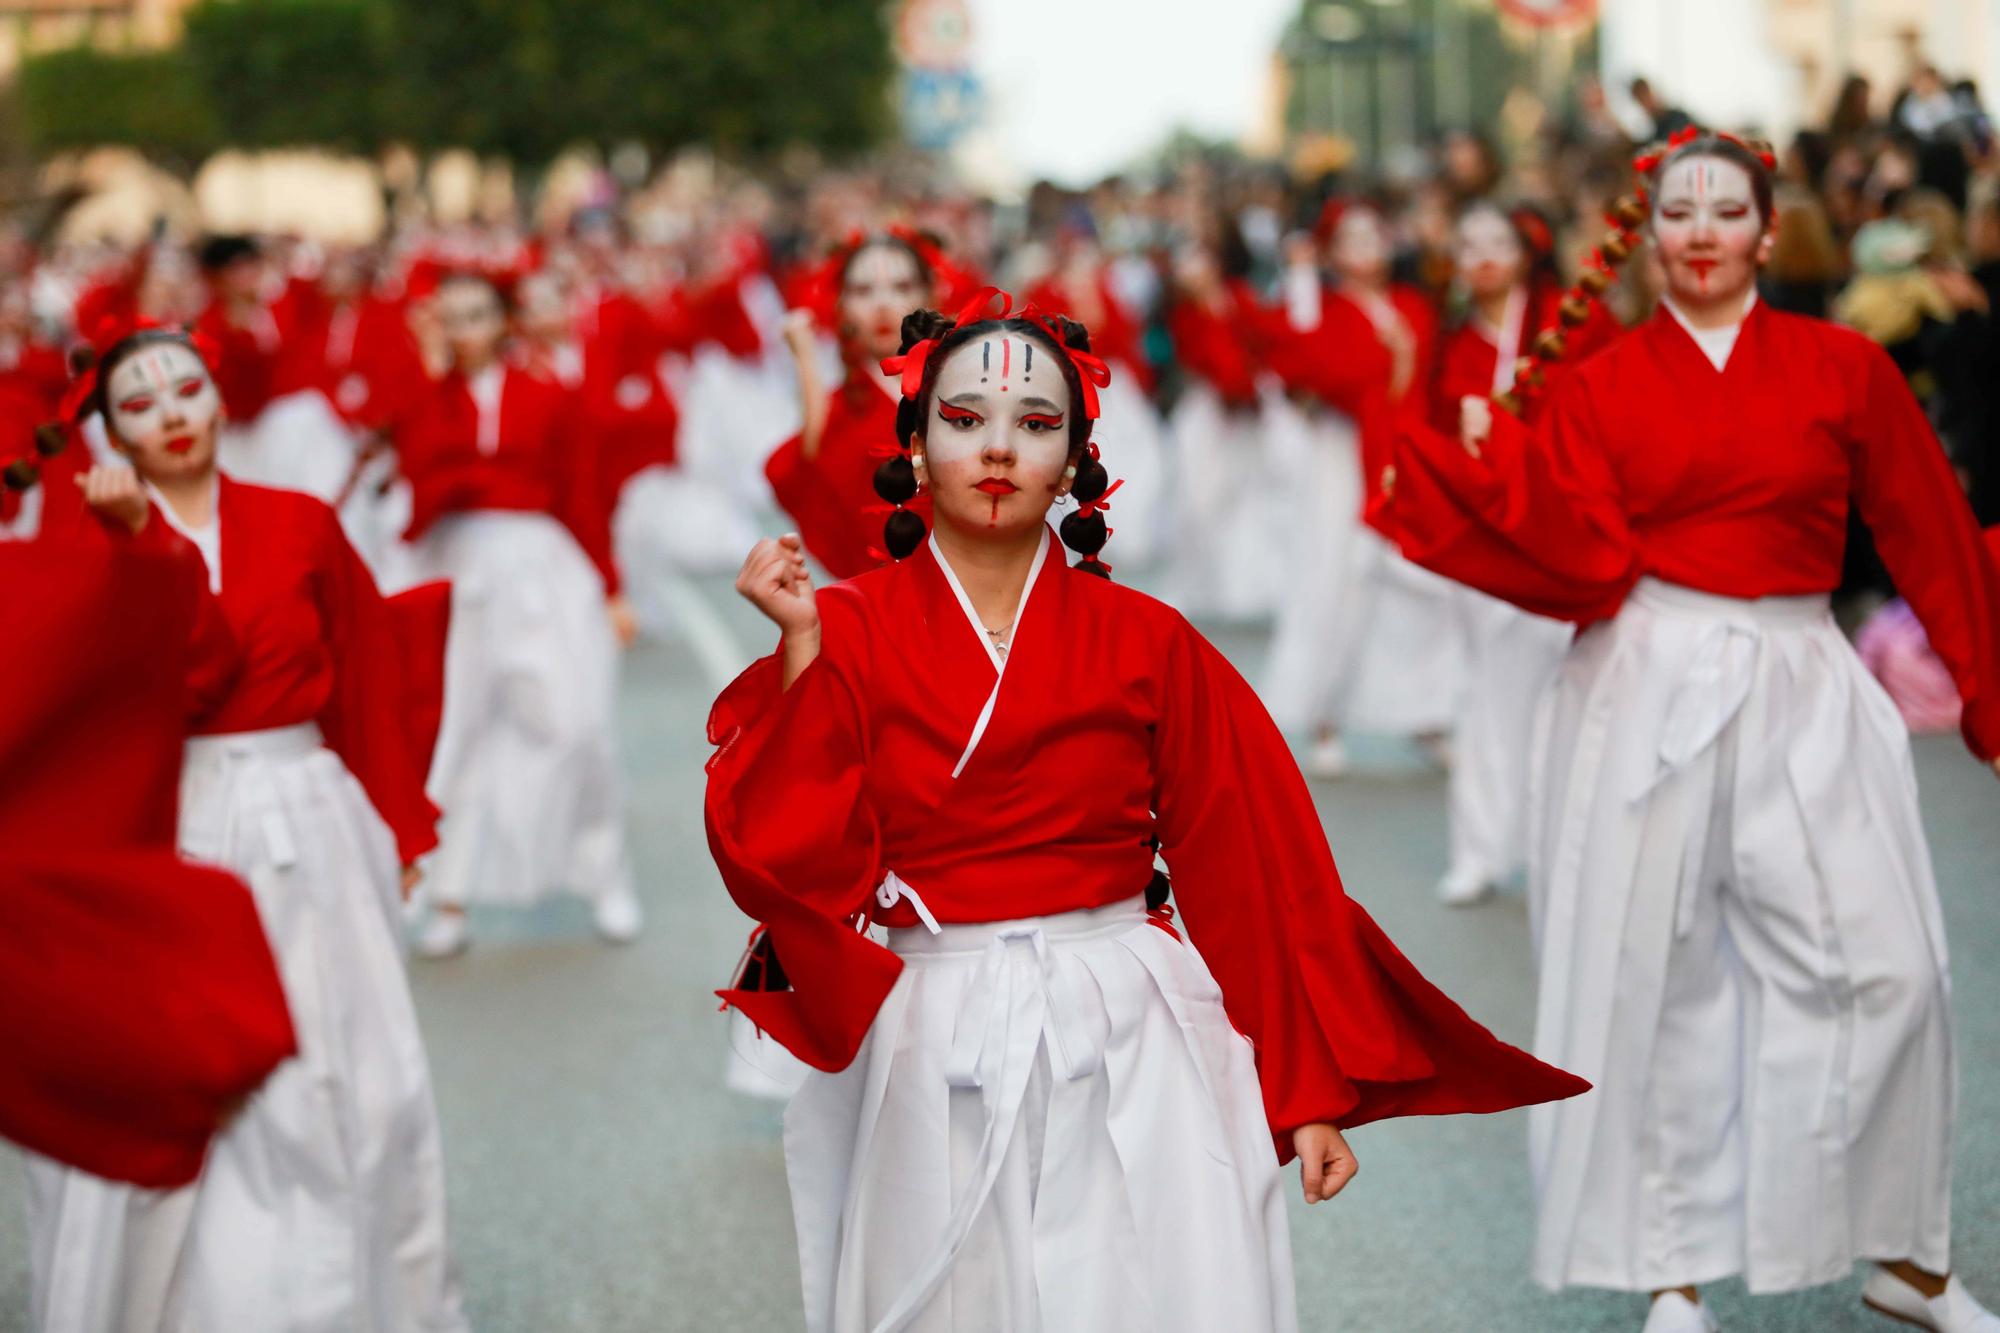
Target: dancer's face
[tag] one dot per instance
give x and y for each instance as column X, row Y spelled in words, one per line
column 997, row 441
column 1488, row 254
column 1361, row 245
column 882, row 285
column 1710, row 235
column 473, row 321
column 163, row 411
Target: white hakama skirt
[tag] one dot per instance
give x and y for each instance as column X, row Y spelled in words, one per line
column 1051, row 1125
column 1222, row 563
column 1511, row 659
column 526, row 768
column 1741, row 947
column 1324, row 453
column 671, row 525
column 297, row 443
column 1131, row 439
column 321, row 1206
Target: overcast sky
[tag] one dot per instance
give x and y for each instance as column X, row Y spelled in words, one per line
column 1076, row 88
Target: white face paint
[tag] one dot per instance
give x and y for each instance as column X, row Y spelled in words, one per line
column 1488, row 254
column 1710, row 236
column 163, row 409
column 1361, row 244
column 998, row 436
column 882, row 285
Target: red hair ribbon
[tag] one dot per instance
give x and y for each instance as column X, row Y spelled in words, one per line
column 1101, row 502
column 1764, row 155
column 910, row 365
column 1091, row 372
column 1686, row 134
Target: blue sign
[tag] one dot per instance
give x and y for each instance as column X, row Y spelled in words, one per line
column 939, row 106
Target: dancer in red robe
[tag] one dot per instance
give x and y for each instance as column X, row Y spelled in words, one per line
column 1739, row 932
column 1039, row 1101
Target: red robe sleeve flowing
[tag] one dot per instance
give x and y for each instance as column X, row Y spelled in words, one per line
column 139, row 1003
column 1346, row 1029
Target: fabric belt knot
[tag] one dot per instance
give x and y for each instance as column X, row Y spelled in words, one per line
column 1019, row 995
column 240, row 760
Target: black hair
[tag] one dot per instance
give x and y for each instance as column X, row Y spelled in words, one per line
column 219, row 252
column 1747, row 155
column 893, row 242
column 895, row 480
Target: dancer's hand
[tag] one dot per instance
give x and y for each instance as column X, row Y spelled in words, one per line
column 1326, row 1163
column 624, row 623
column 801, row 333
column 413, row 875
column 1475, row 422
column 115, row 493
column 775, row 581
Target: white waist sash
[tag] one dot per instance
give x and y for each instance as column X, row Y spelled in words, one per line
column 237, row 764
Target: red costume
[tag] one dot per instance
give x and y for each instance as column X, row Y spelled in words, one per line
column 1468, row 358
column 831, row 497
column 1217, row 344
column 528, row 455
column 137, row 991
column 1648, row 461
column 360, row 355
column 1114, row 724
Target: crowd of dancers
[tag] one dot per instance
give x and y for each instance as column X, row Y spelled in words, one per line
column 1565, row 519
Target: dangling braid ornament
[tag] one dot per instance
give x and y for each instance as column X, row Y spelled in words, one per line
column 1626, row 216
column 924, row 333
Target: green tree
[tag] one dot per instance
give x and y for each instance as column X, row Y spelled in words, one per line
column 83, row 97
column 286, row 72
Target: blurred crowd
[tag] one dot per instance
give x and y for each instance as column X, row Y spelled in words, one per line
column 1889, row 220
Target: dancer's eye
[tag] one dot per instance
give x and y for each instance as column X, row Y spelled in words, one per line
column 961, row 417
column 1040, row 423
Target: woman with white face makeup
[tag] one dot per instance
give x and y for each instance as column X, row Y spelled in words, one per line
column 1503, row 265
column 322, row 1204
column 1364, row 639
column 1738, row 930
column 823, row 476
column 508, row 504
column 1036, row 1110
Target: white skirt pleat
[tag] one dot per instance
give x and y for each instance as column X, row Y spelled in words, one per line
column 526, row 768
column 1299, row 689
column 1511, row 660
column 733, row 414
column 1741, row 947
column 671, row 524
column 321, row 1206
column 1051, row 1125
column 297, row 443
column 1221, row 562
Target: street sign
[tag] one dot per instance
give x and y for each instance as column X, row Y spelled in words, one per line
column 939, row 106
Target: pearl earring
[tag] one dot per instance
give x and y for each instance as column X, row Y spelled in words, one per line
column 1069, row 473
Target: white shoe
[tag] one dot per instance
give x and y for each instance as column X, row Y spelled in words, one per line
column 1954, row 1312
column 618, row 916
column 445, row 934
column 1326, row 759
column 1675, row 1313
column 1463, row 888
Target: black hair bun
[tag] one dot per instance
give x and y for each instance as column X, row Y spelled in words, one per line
column 20, row 474
column 1094, row 567
column 1091, row 480
column 1072, row 333
column 1158, row 889
column 1084, row 533
column 903, row 533
column 921, row 324
column 82, row 358
column 50, row 438
column 896, row 480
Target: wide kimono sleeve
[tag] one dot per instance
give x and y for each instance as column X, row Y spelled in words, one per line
column 584, row 500
column 1346, row 1030
column 799, row 844
column 1535, row 519
column 1905, row 489
column 817, row 510
column 387, row 665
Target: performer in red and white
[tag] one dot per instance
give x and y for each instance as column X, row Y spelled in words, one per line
column 1038, row 1107
column 322, row 1204
column 1505, row 264
column 823, row 477
column 1738, row 928
column 509, row 506
column 1363, row 638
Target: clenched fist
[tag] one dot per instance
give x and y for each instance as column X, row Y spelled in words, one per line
column 116, row 493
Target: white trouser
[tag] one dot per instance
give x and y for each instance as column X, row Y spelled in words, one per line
column 1741, row 947
column 1051, row 1125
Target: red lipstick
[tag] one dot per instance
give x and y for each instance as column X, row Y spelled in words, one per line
column 997, row 486
column 180, row 444
column 1703, row 266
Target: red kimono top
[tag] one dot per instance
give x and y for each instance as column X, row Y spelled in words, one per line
column 831, row 497
column 1114, row 724
column 139, row 1003
column 527, row 456
column 1646, row 460
column 1216, row 345
column 249, row 353
column 625, row 402
column 361, row 356
column 1469, row 359
column 320, row 644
